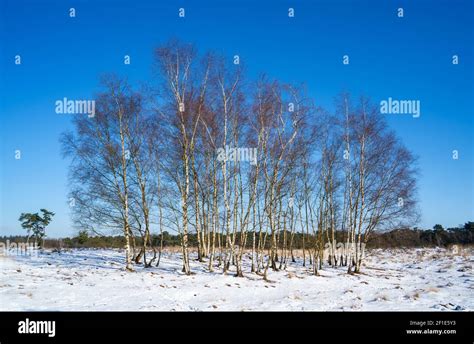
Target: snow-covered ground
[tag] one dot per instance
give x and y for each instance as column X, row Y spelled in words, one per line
column 412, row 280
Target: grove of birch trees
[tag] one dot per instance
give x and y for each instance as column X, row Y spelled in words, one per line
column 148, row 162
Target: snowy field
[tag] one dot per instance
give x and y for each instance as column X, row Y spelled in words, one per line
column 411, row 280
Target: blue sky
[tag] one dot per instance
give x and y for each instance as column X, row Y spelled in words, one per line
column 402, row 58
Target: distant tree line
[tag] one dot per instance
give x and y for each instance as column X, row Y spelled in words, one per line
column 397, row 238
column 424, row 238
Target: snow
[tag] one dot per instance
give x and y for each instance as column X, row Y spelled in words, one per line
column 93, row 280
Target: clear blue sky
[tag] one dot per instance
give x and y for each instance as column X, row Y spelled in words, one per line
column 402, row 58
